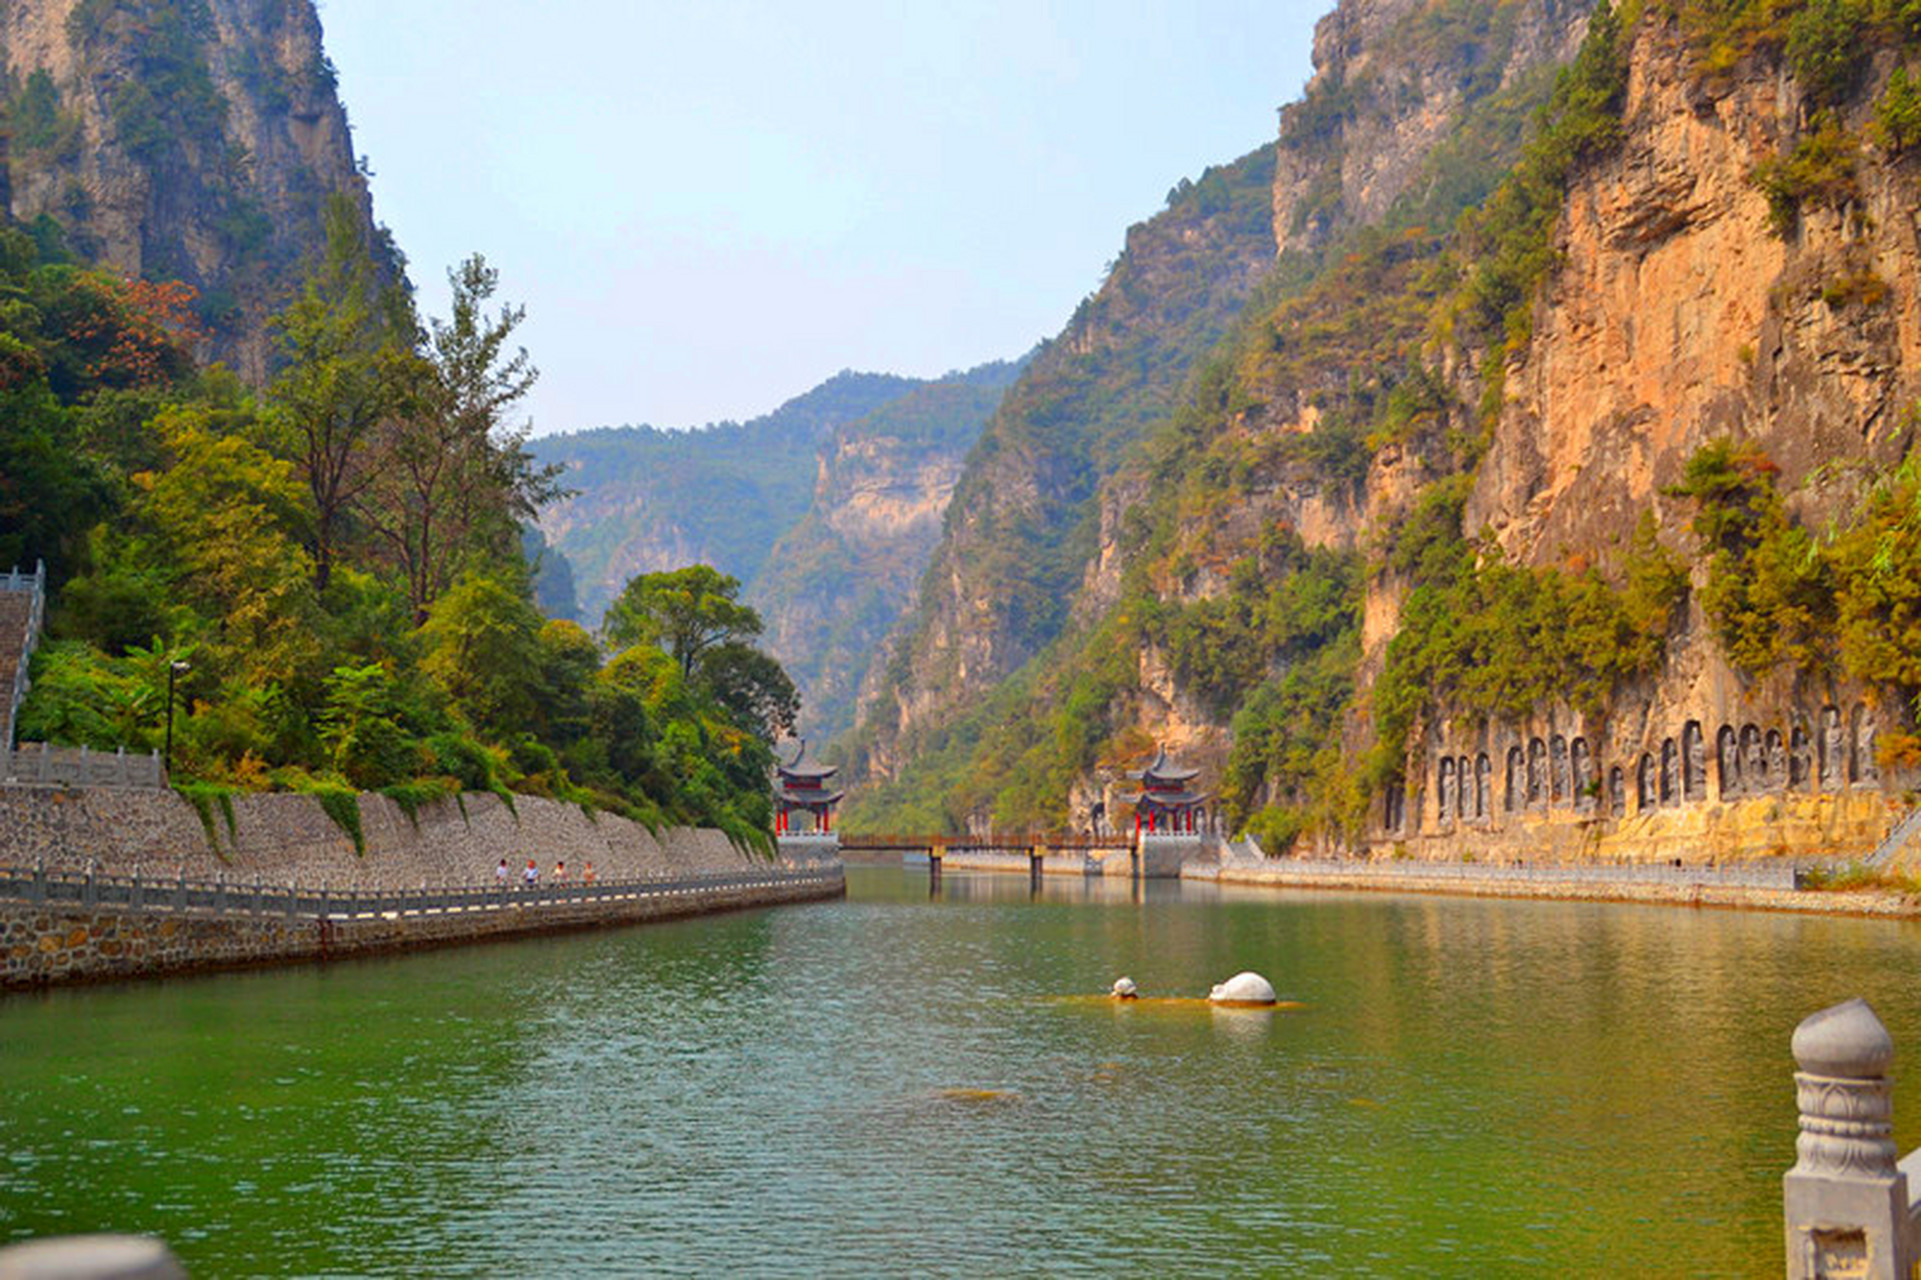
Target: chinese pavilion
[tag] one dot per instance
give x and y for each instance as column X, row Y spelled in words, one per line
column 803, row 789
column 1165, row 805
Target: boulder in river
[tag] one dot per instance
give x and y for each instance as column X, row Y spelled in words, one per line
column 1243, row 988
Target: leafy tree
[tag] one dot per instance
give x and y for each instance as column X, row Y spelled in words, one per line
column 684, row 611
column 346, row 339
column 482, row 649
column 454, row 478
column 361, row 725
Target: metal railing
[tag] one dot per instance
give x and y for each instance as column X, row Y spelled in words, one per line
column 93, row 890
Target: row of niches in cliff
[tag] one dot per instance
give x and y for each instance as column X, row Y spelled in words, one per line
column 1831, row 753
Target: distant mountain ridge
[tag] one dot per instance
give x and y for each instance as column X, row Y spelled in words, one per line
column 826, row 509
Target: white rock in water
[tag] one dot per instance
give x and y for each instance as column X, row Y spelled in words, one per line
column 1124, row 989
column 1243, row 988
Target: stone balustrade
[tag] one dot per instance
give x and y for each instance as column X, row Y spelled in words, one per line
column 39, row 764
column 1849, row 1202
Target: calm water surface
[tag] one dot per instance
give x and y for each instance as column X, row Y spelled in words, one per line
column 899, row 1084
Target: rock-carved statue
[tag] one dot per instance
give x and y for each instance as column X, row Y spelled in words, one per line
column 1670, row 772
column 1581, row 767
column 1754, row 760
column 1516, row 778
column 1727, row 760
column 1867, row 769
column 1799, row 749
column 1444, row 797
column 1834, row 750
column 1777, row 760
column 1644, row 784
column 1483, row 784
column 1536, row 772
column 1557, row 757
column 1694, row 762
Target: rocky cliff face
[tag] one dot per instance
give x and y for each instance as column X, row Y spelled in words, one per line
column 1391, row 83
column 1023, row 514
column 1038, row 539
column 1429, row 556
column 1682, row 310
column 196, row 141
column 826, row 510
column 842, row 577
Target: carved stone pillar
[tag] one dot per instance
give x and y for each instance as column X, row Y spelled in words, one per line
column 1846, row 1201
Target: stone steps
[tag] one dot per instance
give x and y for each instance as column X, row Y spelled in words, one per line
column 16, row 607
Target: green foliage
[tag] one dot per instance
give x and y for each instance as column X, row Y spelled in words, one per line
column 1495, row 639
column 1897, row 114
column 181, row 518
column 1824, row 46
column 1878, row 564
column 342, row 804
column 417, row 794
column 1508, row 238
column 205, row 797
column 1819, row 171
column 1770, row 592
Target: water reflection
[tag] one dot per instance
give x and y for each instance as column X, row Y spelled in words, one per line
column 898, row 1083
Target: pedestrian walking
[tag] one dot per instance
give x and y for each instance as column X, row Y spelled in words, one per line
column 500, row 875
column 532, row 874
column 560, row 871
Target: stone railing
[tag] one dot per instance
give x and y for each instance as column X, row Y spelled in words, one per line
column 1849, row 1201
column 35, row 584
column 92, row 891
column 1770, row 874
column 36, row 762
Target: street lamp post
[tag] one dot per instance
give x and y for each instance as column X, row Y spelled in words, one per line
column 175, row 668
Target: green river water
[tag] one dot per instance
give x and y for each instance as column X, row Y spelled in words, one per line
column 893, row 1084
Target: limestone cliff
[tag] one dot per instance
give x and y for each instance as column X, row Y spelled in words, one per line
column 1414, row 111
column 195, row 140
column 838, row 581
column 826, row 509
column 1543, row 530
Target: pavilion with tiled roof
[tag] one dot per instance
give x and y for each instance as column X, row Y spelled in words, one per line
column 802, row 788
column 1165, row 805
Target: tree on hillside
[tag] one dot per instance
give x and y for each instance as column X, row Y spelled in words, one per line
column 695, row 615
column 454, row 478
column 684, row 611
column 347, row 339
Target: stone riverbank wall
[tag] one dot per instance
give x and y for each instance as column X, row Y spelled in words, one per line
column 278, row 841
column 43, row 944
column 285, row 838
column 1754, row 886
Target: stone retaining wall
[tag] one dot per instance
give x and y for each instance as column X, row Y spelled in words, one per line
column 281, row 838
column 41, row 946
column 1675, row 892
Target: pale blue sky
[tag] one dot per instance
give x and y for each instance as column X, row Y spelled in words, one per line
column 708, row 208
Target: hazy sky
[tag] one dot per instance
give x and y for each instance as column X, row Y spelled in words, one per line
column 708, row 208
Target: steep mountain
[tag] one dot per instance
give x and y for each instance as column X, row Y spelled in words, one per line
column 1583, row 523
column 195, row 140
column 645, row 499
column 1035, row 516
column 1022, row 521
column 840, row 578
column 826, row 509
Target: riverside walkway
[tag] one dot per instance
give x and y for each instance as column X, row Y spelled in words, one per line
column 66, row 926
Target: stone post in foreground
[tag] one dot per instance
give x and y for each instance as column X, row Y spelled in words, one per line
column 1846, row 1199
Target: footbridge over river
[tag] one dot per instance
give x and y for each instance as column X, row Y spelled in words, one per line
column 1040, row 853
